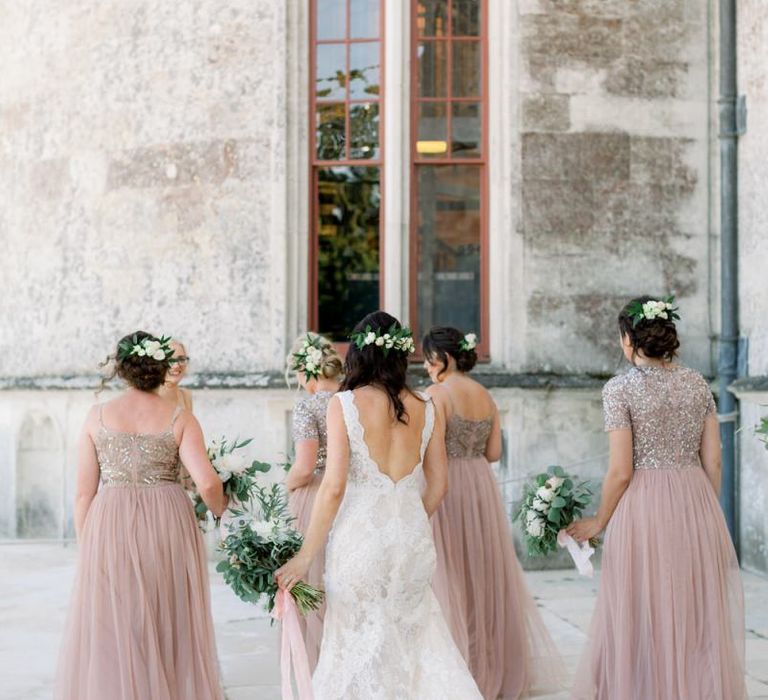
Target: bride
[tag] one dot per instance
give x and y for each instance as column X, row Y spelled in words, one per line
column 386, row 473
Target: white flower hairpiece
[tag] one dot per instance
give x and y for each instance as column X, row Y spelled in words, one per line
column 158, row 349
column 398, row 339
column 468, row 342
column 309, row 358
column 651, row 310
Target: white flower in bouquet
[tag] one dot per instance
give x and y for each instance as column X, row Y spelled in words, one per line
column 263, row 528
column 555, row 482
column 540, row 505
column 534, row 526
column 545, row 494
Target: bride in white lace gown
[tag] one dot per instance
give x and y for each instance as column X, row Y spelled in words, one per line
column 385, row 637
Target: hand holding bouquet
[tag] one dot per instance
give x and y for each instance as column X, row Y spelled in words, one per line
column 550, row 504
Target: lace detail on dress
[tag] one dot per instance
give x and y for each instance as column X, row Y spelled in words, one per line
column 665, row 408
column 467, row 438
column 384, row 635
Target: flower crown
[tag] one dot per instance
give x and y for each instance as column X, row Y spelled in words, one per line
column 398, row 339
column 309, row 358
column 157, row 349
column 468, row 342
column 651, row 310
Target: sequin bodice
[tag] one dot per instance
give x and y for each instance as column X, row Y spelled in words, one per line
column 665, row 408
column 309, row 423
column 467, row 438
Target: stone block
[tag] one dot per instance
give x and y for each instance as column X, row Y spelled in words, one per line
column 562, row 39
column 555, row 210
column 547, row 112
column 649, row 79
column 663, row 161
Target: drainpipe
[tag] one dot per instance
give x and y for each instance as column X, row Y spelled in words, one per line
column 729, row 320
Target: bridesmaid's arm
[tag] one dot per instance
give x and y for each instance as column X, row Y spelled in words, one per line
column 711, row 451
column 436, row 464
column 620, row 467
column 300, row 473
column 327, row 502
column 87, row 474
column 493, row 446
column 193, row 455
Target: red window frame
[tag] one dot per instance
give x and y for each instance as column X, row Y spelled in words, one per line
column 316, row 163
column 483, row 347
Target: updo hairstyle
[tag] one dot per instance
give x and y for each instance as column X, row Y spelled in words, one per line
column 442, row 342
column 655, row 338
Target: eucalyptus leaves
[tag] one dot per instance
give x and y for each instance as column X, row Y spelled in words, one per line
column 158, row 349
column 550, row 503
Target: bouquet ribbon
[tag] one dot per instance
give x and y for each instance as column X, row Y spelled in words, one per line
column 293, row 653
column 580, row 553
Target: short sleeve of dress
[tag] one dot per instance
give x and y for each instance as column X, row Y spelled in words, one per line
column 615, row 407
column 709, row 400
column 304, row 423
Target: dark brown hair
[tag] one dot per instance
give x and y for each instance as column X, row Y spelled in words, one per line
column 443, row 342
column 142, row 373
column 369, row 366
column 655, row 338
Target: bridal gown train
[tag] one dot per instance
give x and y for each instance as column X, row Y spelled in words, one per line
column 385, row 637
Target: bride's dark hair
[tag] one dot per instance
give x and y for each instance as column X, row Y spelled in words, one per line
column 370, row 366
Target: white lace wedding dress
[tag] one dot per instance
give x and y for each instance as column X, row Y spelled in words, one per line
column 385, row 637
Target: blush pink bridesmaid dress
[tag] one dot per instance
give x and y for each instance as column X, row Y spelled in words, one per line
column 139, row 625
column 669, row 619
column 479, row 581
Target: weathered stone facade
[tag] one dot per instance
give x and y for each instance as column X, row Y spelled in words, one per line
column 153, row 173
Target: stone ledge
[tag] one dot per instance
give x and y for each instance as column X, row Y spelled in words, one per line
column 488, row 376
column 750, row 385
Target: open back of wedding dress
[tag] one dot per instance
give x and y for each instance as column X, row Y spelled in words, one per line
column 385, row 637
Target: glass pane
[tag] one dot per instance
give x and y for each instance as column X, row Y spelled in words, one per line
column 331, row 72
column 330, row 134
column 364, row 128
column 465, row 130
column 432, row 68
column 432, row 133
column 448, row 239
column 348, row 200
column 331, row 19
column 466, row 69
column 432, row 17
column 465, row 17
column 363, row 70
column 364, row 19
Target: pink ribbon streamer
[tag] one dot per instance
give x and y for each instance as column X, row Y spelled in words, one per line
column 293, row 653
column 580, row 553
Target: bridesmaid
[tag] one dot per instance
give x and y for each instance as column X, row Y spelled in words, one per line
column 178, row 396
column 479, row 581
column 669, row 619
column 317, row 367
column 139, row 624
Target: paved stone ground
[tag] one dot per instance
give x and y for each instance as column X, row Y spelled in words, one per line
column 35, row 581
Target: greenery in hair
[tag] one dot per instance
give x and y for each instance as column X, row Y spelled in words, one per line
column 650, row 310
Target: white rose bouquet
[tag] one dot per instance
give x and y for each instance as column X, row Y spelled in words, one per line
column 236, row 471
column 256, row 543
column 550, row 504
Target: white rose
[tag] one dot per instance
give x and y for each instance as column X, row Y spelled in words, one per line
column 555, row 482
column 262, row 528
column 141, row 352
column 389, row 343
column 545, row 494
column 386, row 336
column 159, row 355
column 310, row 366
column 238, row 463
column 663, row 314
column 379, row 341
column 316, row 355
column 136, row 349
column 370, row 338
column 535, row 528
column 540, row 505
column 668, row 306
column 151, row 347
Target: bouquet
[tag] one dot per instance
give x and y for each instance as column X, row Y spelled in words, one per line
column 550, row 504
column 237, row 473
column 762, row 431
column 256, row 544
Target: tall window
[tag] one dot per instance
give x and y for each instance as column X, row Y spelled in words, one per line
column 448, row 156
column 346, row 155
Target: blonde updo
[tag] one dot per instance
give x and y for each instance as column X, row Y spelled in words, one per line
column 331, row 365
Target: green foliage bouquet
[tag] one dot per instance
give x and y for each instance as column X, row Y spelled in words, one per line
column 256, row 543
column 551, row 502
column 762, row 431
column 236, row 471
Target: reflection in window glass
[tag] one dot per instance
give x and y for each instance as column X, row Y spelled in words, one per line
column 331, row 19
column 448, row 243
column 364, row 19
column 364, row 70
column 348, row 201
column 433, row 68
column 330, row 134
column 331, row 72
column 364, row 127
column 465, row 69
column 431, row 17
column 465, row 130
column 465, row 17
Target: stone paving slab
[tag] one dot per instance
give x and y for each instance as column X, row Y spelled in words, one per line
column 36, row 579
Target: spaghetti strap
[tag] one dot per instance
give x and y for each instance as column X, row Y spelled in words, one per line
column 101, row 416
column 176, row 414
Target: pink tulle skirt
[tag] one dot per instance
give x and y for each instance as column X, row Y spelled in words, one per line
column 669, row 620
column 481, row 588
column 140, row 621
column 301, row 502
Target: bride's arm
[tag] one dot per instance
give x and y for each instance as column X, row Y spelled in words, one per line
column 87, row 474
column 327, row 502
column 436, row 462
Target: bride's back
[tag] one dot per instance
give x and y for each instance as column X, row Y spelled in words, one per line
column 394, row 445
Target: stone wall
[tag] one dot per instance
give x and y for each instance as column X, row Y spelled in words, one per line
column 615, row 172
